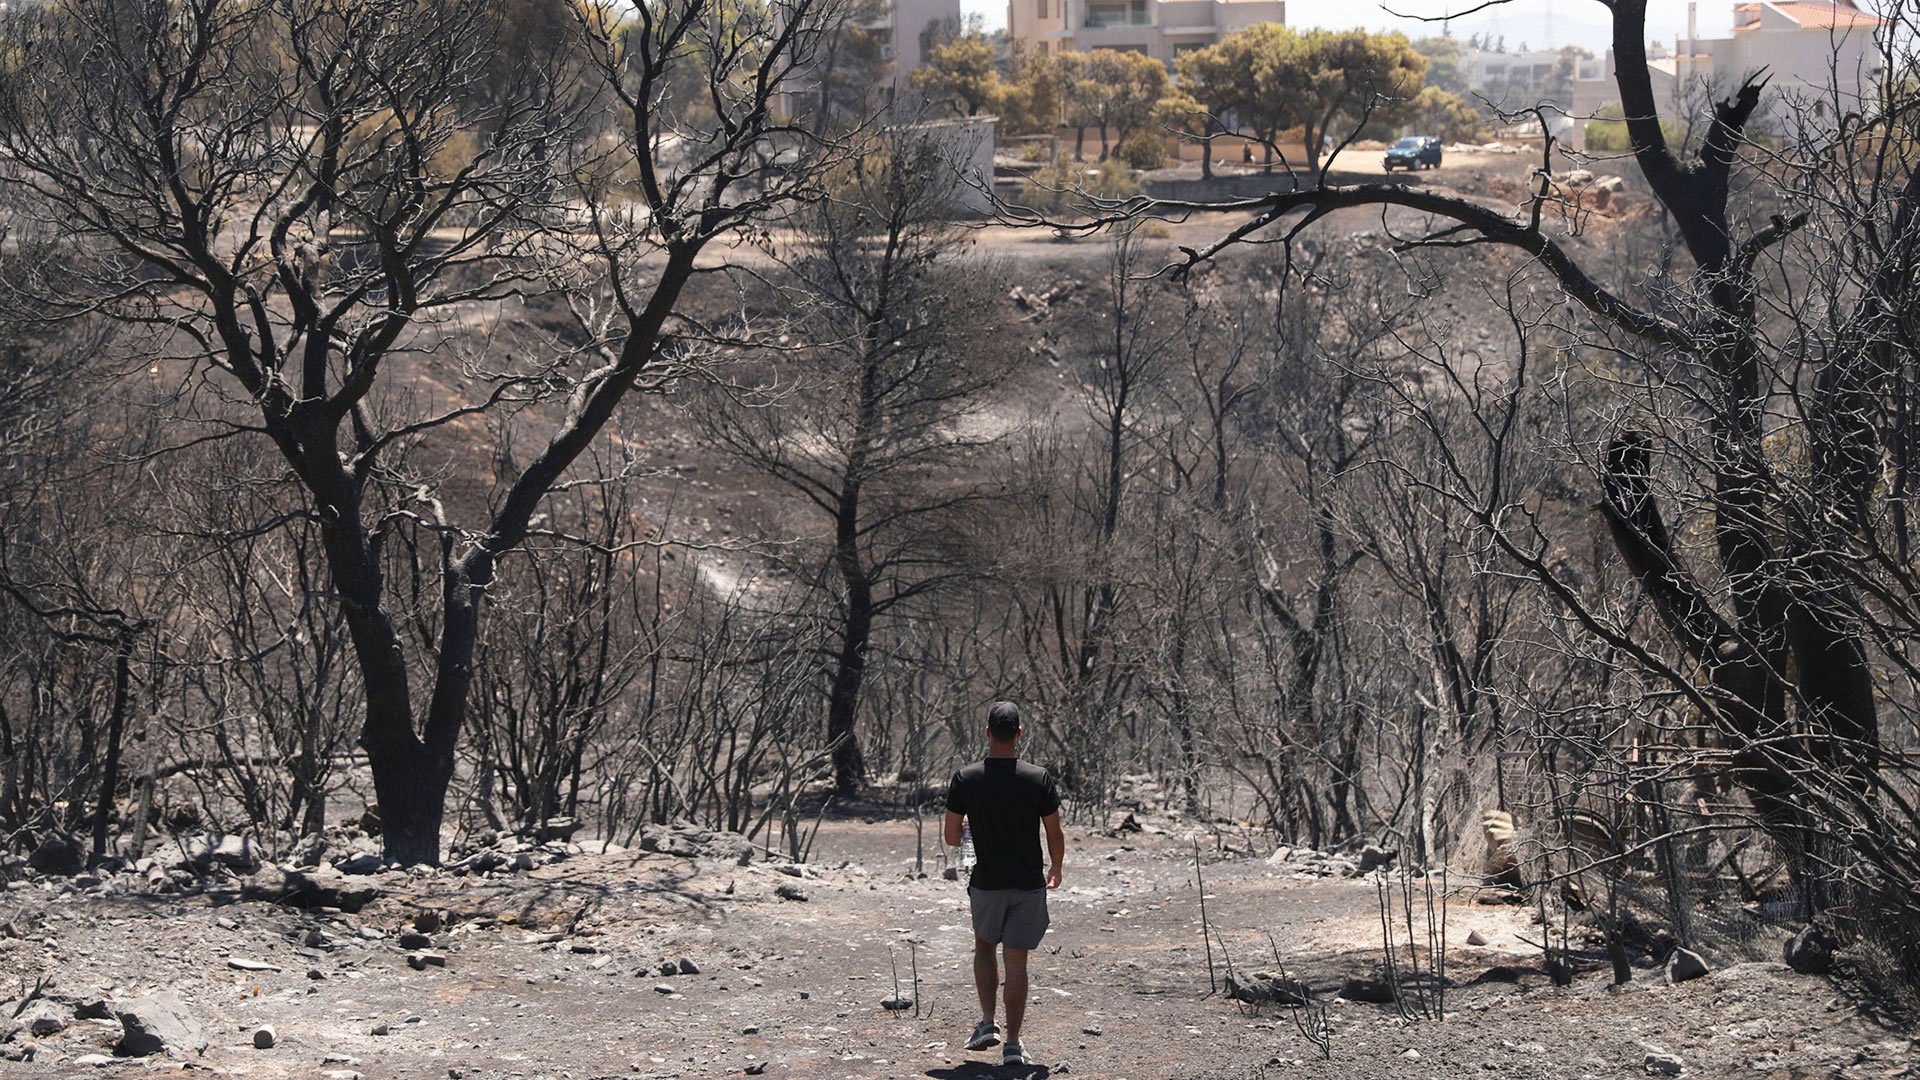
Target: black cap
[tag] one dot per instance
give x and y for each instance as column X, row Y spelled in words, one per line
column 1003, row 720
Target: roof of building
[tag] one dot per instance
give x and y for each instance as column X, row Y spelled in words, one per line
column 1809, row 14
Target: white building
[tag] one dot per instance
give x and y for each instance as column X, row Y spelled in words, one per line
column 1526, row 74
column 1816, row 54
column 906, row 20
column 1160, row 28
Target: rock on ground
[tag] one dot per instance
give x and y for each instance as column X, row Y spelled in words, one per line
column 1809, row 952
column 156, row 1023
column 1685, row 964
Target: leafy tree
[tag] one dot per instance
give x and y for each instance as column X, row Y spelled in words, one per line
column 1436, row 112
column 960, row 75
column 850, row 63
column 1336, row 80
column 1182, row 113
column 1607, row 131
column 1443, row 64
column 1031, row 103
column 1559, row 85
column 1211, row 90
column 1246, row 71
column 1109, row 90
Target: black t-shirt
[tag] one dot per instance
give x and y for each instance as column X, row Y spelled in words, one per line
column 1003, row 800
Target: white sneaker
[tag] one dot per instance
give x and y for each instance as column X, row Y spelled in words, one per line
column 986, row 1034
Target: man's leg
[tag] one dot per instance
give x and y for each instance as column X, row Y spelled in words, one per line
column 1016, row 991
column 986, row 975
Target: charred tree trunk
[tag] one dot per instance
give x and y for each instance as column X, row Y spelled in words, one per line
column 116, row 729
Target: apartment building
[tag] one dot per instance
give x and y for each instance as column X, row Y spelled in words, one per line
column 1160, row 28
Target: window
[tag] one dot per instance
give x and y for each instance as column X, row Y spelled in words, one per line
column 1041, row 12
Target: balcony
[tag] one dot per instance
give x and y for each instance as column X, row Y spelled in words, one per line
column 1117, row 16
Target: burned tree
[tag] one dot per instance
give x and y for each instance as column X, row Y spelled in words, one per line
column 293, row 199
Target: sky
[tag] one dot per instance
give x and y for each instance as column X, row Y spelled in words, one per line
column 1519, row 20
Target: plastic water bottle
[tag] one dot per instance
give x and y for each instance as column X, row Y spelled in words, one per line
column 966, row 845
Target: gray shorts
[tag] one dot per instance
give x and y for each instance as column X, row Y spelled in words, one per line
column 1016, row 918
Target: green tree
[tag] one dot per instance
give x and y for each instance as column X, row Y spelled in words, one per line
column 1607, row 131
column 1109, row 90
column 1031, row 103
column 1559, row 85
column 1438, row 112
column 1182, row 113
column 850, row 63
column 960, row 75
column 1340, row 79
column 1443, row 64
column 1216, row 89
column 1237, row 79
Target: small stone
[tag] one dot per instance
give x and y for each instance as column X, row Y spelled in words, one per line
column 241, row 964
column 687, row 967
column 416, row 961
column 1411, row 1054
column 342, row 1074
column 750, row 1029
column 370, row 933
column 428, row 922
column 664, row 988
column 584, row 949
column 316, row 974
column 381, row 1029
column 756, row 1068
column 668, row 967
column 93, row 1060
column 415, row 941
column 804, row 995
column 1685, row 964
column 790, row 891
column 1476, row 938
column 1091, row 1030
column 456, row 1073
column 1661, row 1063
column 896, row 1004
column 263, row 1038
column 414, row 1020
column 226, row 924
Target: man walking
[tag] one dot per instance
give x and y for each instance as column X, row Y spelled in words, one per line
column 1005, row 803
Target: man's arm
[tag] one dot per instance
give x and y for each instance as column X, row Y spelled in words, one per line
column 1056, row 848
column 951, row 833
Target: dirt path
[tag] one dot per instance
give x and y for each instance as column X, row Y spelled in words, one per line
column 556, row 974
